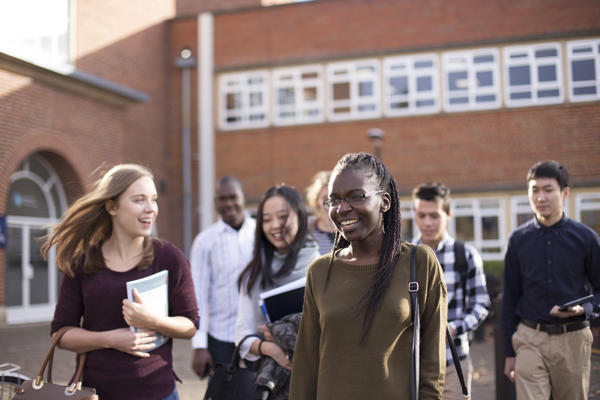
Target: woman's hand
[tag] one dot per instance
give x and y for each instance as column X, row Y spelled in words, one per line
column 266, row 332
column 273, row 350
column 134, row 343
column 137, row 314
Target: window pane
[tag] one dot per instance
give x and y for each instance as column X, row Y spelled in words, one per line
column 27, row 199
column 547, row 73
column 256, row 99
column 234, row 101
column 585, row 90
column 465, row 229
column 366, row 107
column 310, row 75
column 341, row 91
column 583, row 70
column 457, row 80
column 423, row 64
column 523, row 217
column 548, row 93
column 399, row 85
column 489, row 228
column 546, row 53
column 13, row 272
column 520, row 95
column 486, row 98
column 286, row 96
column 310, row 93
column 591, row 218
column 425, row 103
column 406, row 231
column 365, row 89
column 519, row 75
column 483, row 59
column 399, row 104
column 424, row 84
column 459, row 100
column 484, row 78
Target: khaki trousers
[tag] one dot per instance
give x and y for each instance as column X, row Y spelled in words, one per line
column 552, row 363
column 452, row 388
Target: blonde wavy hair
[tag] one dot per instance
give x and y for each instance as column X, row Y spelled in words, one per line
column 79, row 235
column 320, row 180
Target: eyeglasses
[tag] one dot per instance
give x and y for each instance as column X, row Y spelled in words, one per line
column 354, row 199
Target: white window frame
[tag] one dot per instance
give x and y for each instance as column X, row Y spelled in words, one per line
column 529, row 59
column 407, row 213
column 576, row 52
column 351, row 73
column 582, row 204
column 471, row 207
column 240, row 82
column 518, row 205
column 406, row 66
column 454, row 61
column 293, row 78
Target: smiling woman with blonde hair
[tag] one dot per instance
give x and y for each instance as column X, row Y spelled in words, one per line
column 102, row 242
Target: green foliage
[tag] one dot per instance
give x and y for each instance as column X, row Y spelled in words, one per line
column 494, row 267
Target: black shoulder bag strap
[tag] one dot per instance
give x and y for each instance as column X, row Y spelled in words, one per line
column 413, row 288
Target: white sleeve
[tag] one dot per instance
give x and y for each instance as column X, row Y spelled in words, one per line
column 245, row 324
column 201, row 264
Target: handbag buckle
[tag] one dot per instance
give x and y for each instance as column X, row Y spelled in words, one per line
column 37, row 383
column 71, row 389
column 413, row 287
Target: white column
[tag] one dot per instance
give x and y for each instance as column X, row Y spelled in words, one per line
column 206, row 142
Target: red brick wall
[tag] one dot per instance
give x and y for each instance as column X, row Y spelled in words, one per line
column 325, row 29
column 478, row 150
column 127, row 43
column 191, row 7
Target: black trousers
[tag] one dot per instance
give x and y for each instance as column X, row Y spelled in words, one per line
column 221, row 352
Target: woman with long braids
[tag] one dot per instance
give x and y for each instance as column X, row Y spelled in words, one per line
column 356, row 331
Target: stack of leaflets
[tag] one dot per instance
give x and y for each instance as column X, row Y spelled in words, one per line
column 283, row 300
column 154, row 292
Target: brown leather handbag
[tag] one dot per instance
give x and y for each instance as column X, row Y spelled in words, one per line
column 38, row 389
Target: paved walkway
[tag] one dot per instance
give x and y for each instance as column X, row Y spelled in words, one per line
column 26, row 345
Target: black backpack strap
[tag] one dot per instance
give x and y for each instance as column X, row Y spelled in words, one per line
column 413, row 288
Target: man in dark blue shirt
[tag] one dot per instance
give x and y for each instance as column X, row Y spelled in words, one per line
column 549, row 261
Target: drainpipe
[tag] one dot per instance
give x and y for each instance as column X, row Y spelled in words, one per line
column 186, row 62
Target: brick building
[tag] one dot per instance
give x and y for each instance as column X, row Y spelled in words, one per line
column 470, row 93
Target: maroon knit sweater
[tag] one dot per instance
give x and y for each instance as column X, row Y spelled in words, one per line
column 96, row 301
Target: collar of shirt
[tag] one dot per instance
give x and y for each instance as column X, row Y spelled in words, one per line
column 222, row 226
column 558, row 224
column 447, row 240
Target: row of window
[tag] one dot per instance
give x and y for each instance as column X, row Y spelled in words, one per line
column 482, row 221
column 410, row 85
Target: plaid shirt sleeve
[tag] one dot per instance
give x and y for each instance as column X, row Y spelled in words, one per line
column 471, row 308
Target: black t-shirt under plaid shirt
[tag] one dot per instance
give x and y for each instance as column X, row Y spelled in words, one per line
column 468, row 301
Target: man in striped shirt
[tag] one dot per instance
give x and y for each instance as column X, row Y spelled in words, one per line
column 218, row 256
column 468, row 299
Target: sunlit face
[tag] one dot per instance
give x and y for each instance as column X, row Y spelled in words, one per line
column 136, row 209
column 432, row 221
column 547, row 199
column 230, row 204
column 364, row 219
column 280, row 223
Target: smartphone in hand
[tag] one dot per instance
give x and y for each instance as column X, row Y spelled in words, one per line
column 575, row 302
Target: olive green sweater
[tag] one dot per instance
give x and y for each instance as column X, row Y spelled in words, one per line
column 328, row 361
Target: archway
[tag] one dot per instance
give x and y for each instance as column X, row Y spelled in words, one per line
column 35, row 202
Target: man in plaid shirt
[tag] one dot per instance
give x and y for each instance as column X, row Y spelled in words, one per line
column 468, row 299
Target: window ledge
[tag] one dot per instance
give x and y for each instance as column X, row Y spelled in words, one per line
column 75, row 81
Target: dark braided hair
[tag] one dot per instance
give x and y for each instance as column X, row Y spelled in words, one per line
column 390, row 249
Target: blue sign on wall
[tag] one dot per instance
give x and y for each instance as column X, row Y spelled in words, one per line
column 2, row 231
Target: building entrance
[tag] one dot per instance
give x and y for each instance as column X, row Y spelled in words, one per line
column 36, row 200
